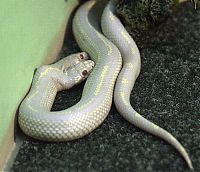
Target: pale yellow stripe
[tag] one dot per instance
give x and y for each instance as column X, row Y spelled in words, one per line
column 126, row 37
column 102, row 76
column 124, row 81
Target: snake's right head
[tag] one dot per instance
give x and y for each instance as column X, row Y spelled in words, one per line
column 80, row 71
column 73, row 59
column 78, row 57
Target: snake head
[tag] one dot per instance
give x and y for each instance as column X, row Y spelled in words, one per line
column 80, row 71
column 71, row 60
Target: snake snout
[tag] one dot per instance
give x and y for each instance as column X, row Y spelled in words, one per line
column 90, row 64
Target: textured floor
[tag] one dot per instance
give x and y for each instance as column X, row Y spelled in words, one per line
column 167, row 92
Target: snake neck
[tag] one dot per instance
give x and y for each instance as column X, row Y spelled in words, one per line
column 43, row 91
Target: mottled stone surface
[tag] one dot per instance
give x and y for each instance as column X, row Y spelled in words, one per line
column 167, row 92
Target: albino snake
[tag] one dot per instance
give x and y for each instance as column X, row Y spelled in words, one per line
column 35, row 118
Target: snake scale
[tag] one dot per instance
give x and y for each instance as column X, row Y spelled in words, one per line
column 107, row 50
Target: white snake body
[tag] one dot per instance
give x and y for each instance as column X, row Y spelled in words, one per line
column 96, row 100
column 94, row 106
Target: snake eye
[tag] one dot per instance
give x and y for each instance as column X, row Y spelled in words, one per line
column 82, row 56
column 85, row 72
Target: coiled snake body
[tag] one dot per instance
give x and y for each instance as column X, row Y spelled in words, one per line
column 35, row 118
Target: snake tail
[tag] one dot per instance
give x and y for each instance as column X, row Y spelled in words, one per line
column 116, row 32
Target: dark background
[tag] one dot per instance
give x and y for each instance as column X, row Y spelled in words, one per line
column 167, row 92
